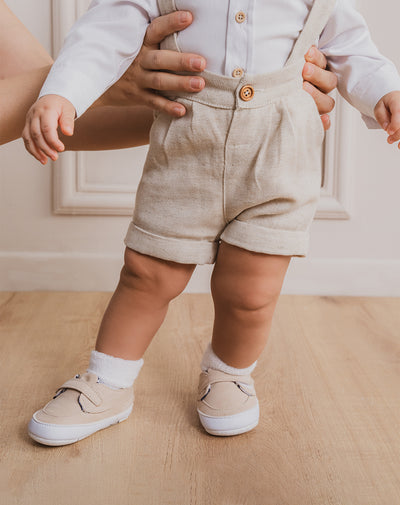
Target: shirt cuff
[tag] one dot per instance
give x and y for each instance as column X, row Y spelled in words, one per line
column 385, row 80
column 63, row 82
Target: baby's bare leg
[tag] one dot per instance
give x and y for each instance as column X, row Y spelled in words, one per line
column 245, row 287
column 140, row 303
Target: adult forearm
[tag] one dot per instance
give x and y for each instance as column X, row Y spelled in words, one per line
column 104, row 128
column 16, row 97
column 100, row 128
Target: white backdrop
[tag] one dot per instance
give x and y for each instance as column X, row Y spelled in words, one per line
column 74, row 241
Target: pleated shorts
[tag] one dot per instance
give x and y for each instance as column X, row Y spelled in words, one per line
column 242, row 166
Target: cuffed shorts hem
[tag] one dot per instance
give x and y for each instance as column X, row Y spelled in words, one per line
column 266, row 240
column 199, row 252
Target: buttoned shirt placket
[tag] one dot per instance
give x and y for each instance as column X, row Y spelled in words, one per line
column 239, row 43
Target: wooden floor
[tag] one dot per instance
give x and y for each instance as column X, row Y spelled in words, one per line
column 327, row 381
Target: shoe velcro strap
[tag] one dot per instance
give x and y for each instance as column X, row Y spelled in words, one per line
column 244, row 386
column 83, row 387
column 245, row 383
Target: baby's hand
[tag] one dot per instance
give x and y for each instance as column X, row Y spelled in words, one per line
column 387, row 113
column 40, row 131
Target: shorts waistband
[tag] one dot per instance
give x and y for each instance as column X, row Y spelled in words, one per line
column 247, row 92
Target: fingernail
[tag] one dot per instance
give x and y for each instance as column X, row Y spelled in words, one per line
column 311, row 52
column 184, row 17
column 308, row 70
column 307, row 86
column 385, row 125
column 195, row 83
column 178, row 111
column 196, row 63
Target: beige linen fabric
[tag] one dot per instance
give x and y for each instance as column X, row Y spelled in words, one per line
column 245, row 172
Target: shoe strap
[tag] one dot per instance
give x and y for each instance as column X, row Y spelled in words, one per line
column 82, row 387
column 245, row 382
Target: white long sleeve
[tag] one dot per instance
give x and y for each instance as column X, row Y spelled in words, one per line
column 104, row 42
column 98, row 50
column 364, row 74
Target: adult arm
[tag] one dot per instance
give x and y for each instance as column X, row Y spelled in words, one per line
column 110, row 127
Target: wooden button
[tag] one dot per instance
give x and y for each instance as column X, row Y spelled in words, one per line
column 246, row 93
column 240, row 17
column 238, row 72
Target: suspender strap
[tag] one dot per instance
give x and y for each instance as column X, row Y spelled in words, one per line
column 318, row 17
column 165, row 7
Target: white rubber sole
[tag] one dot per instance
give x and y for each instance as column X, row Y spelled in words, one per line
column 226, row 426
column 63, row 434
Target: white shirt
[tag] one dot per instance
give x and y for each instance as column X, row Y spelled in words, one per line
column 106, row 39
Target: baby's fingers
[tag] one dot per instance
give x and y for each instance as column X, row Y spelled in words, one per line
column 39, row 140
column 49, row 125
column 394, row 137
column 394, row 124
column 31, row 147
column 67, row 120
column 382, row 115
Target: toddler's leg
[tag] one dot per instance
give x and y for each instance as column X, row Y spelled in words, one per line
column 245, row 287
column 140, row 303
column 104, row 395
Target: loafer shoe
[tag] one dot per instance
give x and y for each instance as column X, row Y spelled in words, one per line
column 80, row 407
column 227, row 404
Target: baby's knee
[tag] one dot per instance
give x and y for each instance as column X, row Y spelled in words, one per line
column 164, row 279
column 244, row 296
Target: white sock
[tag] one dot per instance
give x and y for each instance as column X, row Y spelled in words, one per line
column 211, row 360
column 112, row 371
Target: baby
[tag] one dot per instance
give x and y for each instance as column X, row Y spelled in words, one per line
column 234, row 182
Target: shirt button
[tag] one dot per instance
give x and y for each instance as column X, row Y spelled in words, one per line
column 238, row 72
column 246, row 93
column 240, row 17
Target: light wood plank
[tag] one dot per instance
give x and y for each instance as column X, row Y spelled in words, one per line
column 327, row 383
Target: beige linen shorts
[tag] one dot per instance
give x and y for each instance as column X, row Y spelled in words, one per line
column 242, row 166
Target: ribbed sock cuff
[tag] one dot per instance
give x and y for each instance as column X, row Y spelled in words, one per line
column 112, row 371
column 211, row 360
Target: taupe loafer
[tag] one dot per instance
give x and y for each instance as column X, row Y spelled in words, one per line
column 227, row 404
column 80, row 407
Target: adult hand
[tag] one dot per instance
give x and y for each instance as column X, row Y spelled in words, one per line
column 318, row 82
column 151, row 69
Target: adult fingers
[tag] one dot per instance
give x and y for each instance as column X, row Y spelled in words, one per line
column 171, row 82
column 315, row 56
column 163, row 26
column 326, row 121
column 325, row 103
column 172, row 61
column 160, row 103
column 323, row 79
